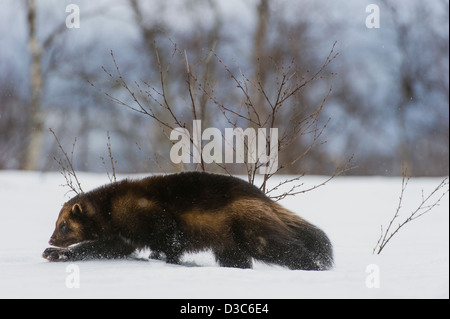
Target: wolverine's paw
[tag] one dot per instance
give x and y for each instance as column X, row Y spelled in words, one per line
column 56, row 254
column 157, row 255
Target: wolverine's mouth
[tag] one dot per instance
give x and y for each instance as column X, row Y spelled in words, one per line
column 61, row 244
column 55, row 244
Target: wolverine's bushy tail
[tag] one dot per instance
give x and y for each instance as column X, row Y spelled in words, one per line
column 295, row 243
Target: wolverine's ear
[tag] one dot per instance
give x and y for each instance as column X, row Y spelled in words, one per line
column 76, row 209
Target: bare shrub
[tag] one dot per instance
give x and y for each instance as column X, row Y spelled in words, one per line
column 66, row 167
column 427, row 204
column 281, row 109
column 111, row 176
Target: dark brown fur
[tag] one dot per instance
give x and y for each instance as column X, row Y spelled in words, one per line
column 187, row 212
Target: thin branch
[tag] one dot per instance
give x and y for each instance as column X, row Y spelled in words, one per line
column 295, row 188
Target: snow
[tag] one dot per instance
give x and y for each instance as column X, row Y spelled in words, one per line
column 415, row 264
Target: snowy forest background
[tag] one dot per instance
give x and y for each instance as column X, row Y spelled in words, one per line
column 389, row 102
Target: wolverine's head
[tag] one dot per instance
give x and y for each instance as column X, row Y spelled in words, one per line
column 74, row 225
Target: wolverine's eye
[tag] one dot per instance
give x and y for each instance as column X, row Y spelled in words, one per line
column 63, row 227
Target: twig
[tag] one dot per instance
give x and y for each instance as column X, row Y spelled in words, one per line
column 423, row 208
column 112, row 177
column 295, row 188
column 67, row 169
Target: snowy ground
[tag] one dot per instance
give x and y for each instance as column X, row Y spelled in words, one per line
column 350, row 210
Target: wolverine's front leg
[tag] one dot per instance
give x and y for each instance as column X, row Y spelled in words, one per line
column 110, row 248
column 57, row 254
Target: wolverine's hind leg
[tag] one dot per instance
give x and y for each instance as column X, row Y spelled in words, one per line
column 155, row 254
column 169, row 257
column 233, row 258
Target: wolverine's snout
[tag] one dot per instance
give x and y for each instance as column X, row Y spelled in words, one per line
column 52, row 242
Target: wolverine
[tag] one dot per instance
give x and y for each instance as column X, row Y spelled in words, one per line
column 187, row 212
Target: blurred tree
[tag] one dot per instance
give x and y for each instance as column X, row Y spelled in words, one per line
column 13, row 123
column 32, row 159
column 391, row 97
column 389, row 101
column 35, row 117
